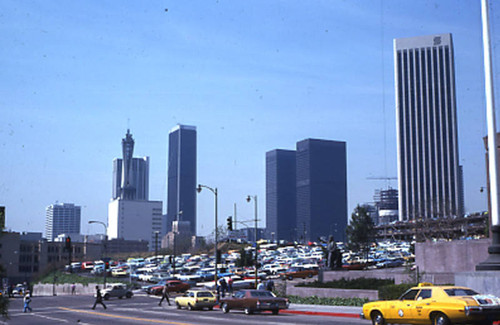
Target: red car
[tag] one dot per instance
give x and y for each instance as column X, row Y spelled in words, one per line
column 254, row 301
column 173, row 286
column 299, row 272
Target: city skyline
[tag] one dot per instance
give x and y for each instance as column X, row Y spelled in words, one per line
column 74, row 78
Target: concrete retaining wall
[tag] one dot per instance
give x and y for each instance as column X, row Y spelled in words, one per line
column 400, row 275
column 331, row 293
column 487, row 282
column 450, row 257
column 63, row 289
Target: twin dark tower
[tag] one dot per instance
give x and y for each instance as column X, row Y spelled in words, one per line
column 306, row 191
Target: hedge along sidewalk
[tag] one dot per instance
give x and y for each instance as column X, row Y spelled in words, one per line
column 327, row 301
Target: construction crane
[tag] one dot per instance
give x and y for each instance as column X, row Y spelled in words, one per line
column 384, row 178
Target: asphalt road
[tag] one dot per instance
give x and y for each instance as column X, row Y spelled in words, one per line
column 143, row 309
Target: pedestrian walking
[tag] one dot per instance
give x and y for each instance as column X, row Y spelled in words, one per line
column 223, row 287
column 270, row 285
column 261, row 286
column 10, row 291
column 73, row 288
column 98, row 298
column 27, row 301
column 164, row 295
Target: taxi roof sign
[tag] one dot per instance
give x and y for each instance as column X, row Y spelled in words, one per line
column 425, row 284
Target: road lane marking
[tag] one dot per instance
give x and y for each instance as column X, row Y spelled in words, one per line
column 52, row 318
column 125, row 317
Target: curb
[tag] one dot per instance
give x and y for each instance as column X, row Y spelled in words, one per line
column 319, row 313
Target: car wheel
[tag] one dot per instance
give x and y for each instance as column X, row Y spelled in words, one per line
column 377, row 318
column 120, row 297
column 248, row 311
column 290, row 277
column 440, row 319
column 225, row 308
column 128, row 295
column 190, row 307
column 106, row 296
column 178, row 305
column 210, row 308
column 276, row 311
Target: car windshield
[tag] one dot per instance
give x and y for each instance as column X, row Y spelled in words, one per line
column 460, row 292
column 261, row 294
column 409, row 295
column 205, row 294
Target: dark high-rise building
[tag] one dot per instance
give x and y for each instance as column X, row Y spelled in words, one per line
column 281, row 194
column 429, row 175
column 130, row 175
column 182, row 174
column 321, row 189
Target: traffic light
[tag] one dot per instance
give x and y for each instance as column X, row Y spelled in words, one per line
column 68, row 244
column 218, row 257
column 230, row 223
column 106, row 265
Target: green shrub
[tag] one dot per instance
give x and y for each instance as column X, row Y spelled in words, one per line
column 359, row 283
column 357, row 302
column 393, row 291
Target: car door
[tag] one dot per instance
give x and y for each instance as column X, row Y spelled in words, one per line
column 238, row 300
column 403, row 310
column 423, row 304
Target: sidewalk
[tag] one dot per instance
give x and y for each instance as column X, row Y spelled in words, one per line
column 323, row 310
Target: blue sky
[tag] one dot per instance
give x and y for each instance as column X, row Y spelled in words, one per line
column 252, row 76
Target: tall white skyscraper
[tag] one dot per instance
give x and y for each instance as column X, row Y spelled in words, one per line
column 429, row 175
column 130, row 215
column 62, row 218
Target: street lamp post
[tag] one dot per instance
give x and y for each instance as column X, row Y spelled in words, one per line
column 105, row 240
column 214, row 191
column 249, row 198
column 175, row 236
column 156, row 244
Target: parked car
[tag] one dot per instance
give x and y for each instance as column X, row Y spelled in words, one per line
column 116, row 290
column 299, row 272
column 254, row 301
column 443, row 305
column 196, row 300
column 173, row 286
column 19, row 289
column 117, row 272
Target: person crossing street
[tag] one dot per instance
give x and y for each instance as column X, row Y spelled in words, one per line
column 164, row 295
column 98, row 298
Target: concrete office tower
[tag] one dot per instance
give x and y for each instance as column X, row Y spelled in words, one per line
column 429, row 176
column 281, row 194
column 321, row 189
column 138, row 179
column 181, row 180
column 62, row 218
column 130, row 175
column 135, row 220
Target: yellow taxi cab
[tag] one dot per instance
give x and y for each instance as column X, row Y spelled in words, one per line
column 196, row 299
column 436, row 305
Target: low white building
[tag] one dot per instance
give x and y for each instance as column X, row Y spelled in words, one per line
column 135, row 220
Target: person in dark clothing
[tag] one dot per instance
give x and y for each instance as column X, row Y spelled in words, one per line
column 223, row 287
column 270, row 285
column 98, row 298
column 164, row 295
